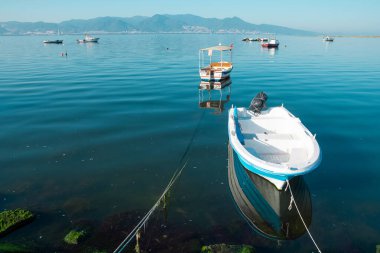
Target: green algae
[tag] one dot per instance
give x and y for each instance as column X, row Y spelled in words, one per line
column 12, row 248
column 13, row 219
column 224, row 248
column 74, row 236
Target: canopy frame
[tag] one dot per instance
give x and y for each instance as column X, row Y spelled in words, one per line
column 219, row 48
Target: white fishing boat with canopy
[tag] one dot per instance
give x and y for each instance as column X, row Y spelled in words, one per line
column 272, row 142
column 215, row 70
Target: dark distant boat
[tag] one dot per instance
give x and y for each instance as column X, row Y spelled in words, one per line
column 250, row 39
column 88, row 39
column 53, row 41
column 273, row 43
column 265, row 208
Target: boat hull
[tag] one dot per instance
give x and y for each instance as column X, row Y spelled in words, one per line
column 267, row 45
column 88, row 40
column 53, row 41
column 277, row 180
column 208, row 75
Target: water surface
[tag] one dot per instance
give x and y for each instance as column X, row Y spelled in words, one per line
column 101, row 131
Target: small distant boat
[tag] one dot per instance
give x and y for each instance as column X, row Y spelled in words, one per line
column 273, row 43
column 215, row 71
column 88, row 39
column 249, row 39
column 272, row 142
column 53, row 41
column 328, row 38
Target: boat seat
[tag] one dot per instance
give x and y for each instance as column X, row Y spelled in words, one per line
column 261, row 147
column 220, row 65
column 248, row 128
column 266, row 152
column 269, row 136
column 279, row 151
column 275, row 136
column 286, row 145
column 275, row 157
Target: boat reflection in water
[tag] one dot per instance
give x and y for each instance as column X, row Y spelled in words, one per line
column 264, row 207
column 215, row 101
column 270, row 51
column 215, row 85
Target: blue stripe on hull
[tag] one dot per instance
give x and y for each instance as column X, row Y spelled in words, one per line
column 262, row 172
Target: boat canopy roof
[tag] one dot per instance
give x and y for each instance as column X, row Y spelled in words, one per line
column 217, row 48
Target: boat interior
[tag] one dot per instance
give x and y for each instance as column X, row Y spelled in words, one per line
column 218, row 66
column 276, row 139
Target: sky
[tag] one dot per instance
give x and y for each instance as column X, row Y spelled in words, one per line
column 324, row 16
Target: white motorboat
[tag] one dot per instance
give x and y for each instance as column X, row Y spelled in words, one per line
column 272, row 142
column 273, row 43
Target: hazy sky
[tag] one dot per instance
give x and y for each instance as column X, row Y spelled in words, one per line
column 325, row 16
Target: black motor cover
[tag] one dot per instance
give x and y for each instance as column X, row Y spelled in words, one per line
column 258, row 102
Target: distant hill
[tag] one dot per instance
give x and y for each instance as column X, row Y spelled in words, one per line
column 139, row 24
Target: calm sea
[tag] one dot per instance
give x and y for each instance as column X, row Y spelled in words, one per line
column 93, row 138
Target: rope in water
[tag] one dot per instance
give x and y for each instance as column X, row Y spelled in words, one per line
column 175, row 176
column 133, row 233
column 292, row 200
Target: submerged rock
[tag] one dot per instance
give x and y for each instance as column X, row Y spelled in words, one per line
column 224, row 248
column 11, row 220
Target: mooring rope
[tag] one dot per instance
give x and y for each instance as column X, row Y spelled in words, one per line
column 293, row 201
column 142, row 222
column 175, row 176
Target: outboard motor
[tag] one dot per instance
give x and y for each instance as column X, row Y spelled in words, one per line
column 258, row 102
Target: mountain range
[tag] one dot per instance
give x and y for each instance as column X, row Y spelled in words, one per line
column 139, row 24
